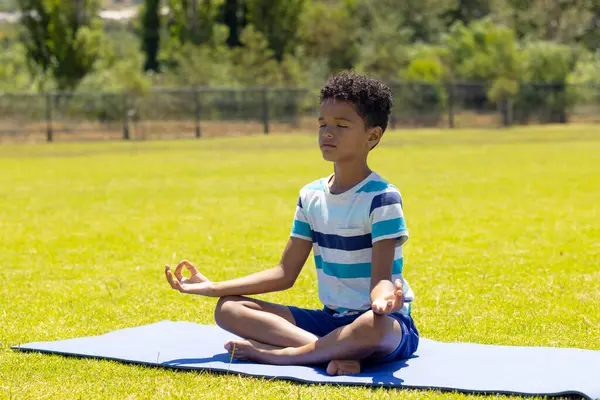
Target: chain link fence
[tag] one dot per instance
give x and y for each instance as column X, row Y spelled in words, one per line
column 468, row 105
column 200, row 112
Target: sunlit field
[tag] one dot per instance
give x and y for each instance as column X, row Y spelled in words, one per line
column 504, row 246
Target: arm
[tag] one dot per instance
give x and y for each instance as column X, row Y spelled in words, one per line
column 381, row 268
column 278, row 278
column 388, row 230
column 281, row 277
column 386, row 297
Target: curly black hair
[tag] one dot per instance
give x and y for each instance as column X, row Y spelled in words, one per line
column 372, row 98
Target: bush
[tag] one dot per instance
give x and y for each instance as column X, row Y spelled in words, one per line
column 424, row 96
column 546, row 68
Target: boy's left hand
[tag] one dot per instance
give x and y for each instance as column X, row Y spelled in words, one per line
column 391, row 302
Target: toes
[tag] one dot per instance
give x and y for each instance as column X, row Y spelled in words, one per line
column 236, row 350
column 231, row 344
column 332, row 368
column 343, row 367
column 228, row 346
column 352, row 367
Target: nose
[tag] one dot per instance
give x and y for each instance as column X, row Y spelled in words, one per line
column 327, row 133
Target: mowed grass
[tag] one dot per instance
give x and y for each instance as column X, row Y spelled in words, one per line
column 504, row 247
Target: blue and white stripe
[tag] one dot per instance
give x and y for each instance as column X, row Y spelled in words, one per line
column 343, row 228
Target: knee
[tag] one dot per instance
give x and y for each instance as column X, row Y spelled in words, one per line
column 226, row 310
column 373, row 329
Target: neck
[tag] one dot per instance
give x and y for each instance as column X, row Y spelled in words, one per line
column 348, row 175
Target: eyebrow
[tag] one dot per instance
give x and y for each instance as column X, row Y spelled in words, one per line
column 337, row 118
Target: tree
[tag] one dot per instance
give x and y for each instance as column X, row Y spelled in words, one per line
column 233, row 15
column 278, row 21
column 389, row 27
column 150, row 28
column 206, row 64
column 421, row 20
column 383, row 50
column 424, row 97
column 467, row 11
column 482, row 51
column 192, row 20
column 255, row 63
column 547, row 66
column 334, row 39
column 584, row 80
column 591, row 32
column 562, row 21
column 7, row 5
column 14, row 74
column 485, row 52
column 180, row 32
column 62, row 38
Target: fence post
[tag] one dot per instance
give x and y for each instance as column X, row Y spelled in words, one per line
column 197, row 111
column 450, row 89
column 294, row 96
column 265, row 93
column 506, row 110
column 125, row 117
column 48, row 117
column 562, row 115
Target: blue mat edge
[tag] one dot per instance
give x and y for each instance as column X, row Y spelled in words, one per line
column 303, row 381
column 286, row 378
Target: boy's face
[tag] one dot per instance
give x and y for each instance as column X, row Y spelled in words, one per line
column 343, row 135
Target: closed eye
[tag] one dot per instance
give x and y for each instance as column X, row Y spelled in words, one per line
column 338, row 125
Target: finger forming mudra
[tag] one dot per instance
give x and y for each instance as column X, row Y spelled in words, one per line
column 179, row 281
column 195, row 274
column 399, row 292
column 390, row 303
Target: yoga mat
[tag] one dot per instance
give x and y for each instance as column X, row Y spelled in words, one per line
column 465, row 367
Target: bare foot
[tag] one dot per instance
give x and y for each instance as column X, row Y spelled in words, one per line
column 249, row 350
column 343, row 367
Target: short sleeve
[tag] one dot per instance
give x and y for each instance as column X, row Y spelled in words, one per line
column 301, row 227
column 387, row 217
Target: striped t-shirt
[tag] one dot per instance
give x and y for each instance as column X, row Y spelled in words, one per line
column 343, row 228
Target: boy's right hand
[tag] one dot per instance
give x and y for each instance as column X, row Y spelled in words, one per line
column 195, row 284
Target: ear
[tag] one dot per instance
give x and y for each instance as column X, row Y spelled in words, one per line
column 374, row 136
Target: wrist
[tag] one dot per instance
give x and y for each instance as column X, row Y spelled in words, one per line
column 213, row 289
column 377, row 312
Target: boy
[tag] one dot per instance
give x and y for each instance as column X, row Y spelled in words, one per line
column 353, row 221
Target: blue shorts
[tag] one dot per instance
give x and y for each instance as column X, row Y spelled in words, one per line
column 322, row 322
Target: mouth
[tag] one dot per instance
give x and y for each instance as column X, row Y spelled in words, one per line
column 327, row 146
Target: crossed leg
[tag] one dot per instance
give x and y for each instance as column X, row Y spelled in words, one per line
column 269, row 326
column 272, row 336
column 264, row 322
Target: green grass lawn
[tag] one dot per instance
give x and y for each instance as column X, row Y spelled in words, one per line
column 504, row 248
